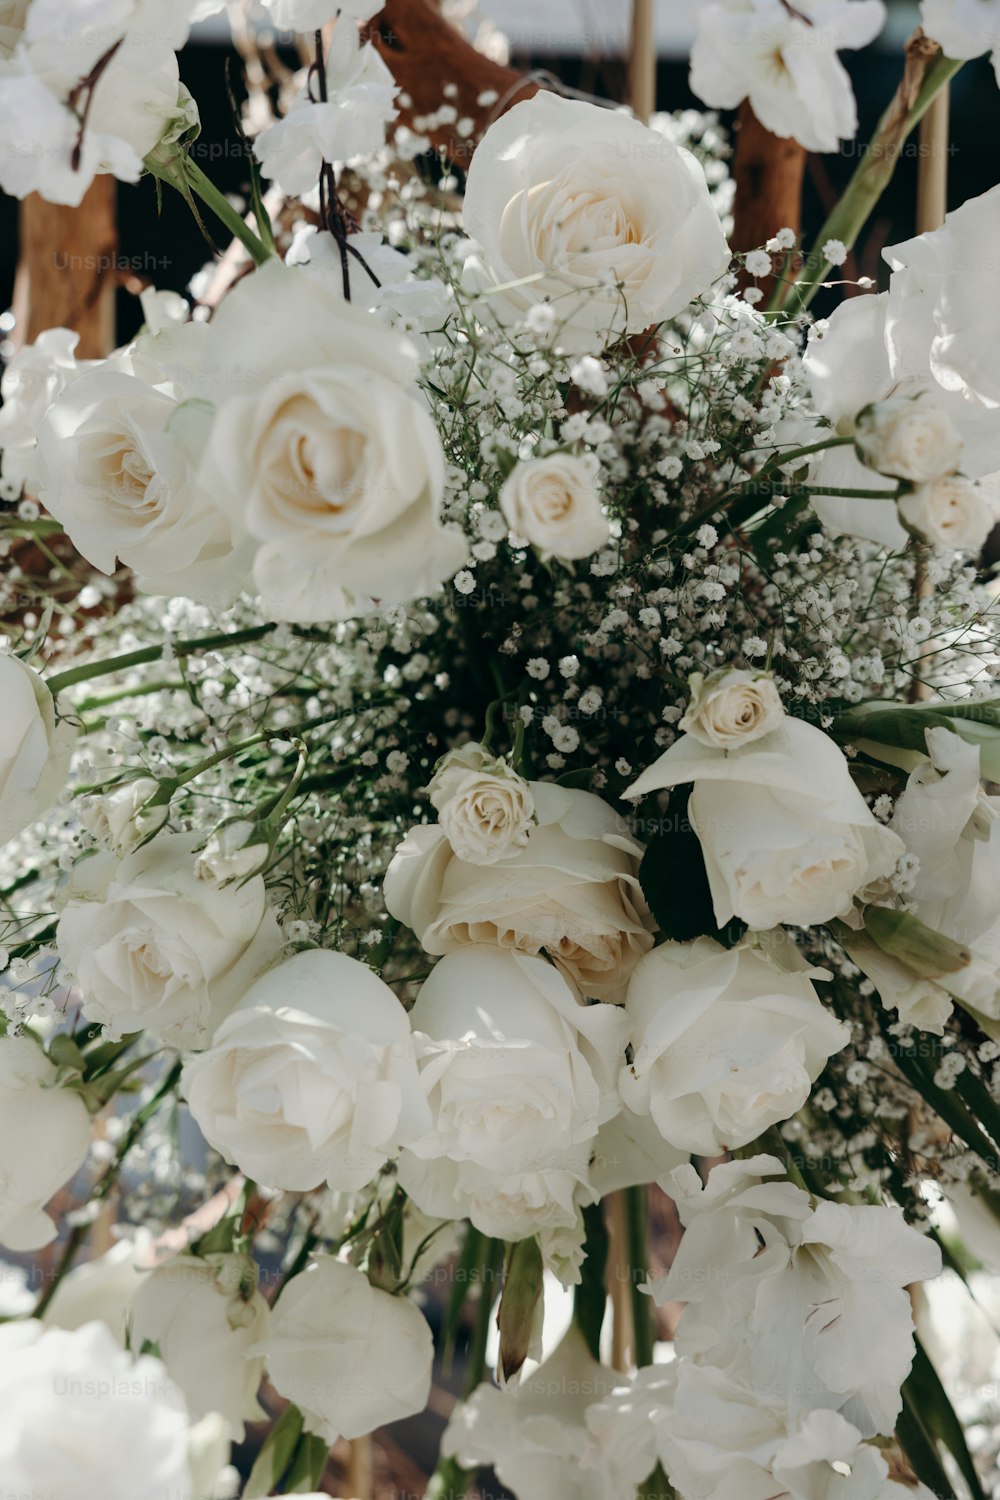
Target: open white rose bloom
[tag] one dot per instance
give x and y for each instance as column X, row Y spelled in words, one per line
column 499, row 766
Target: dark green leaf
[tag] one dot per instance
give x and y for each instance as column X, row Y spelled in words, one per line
column 675, row 883
column 590, row 1297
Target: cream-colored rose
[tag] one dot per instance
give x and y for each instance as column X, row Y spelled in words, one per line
column 590, row 211
column 204, row 1314
column 34, row 750
column 312, row 1078
column 323, row 450
column 950, row 512
column 484, row 807
column 116, row 818
column 350, row 1356
column 732, row 707
column 785, row 834
column 572, row 892
column 154, row 948
column 31, row 382
column 552, row 501
column 44, row 1139
column 913, row 440
column 725, row 1044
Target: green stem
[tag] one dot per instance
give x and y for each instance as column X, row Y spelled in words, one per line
column 109, row 664
column 871, row 178
column 637, row 1224
column 224, row 210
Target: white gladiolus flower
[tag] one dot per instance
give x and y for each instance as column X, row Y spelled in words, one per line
column 572, row 202
column 154, row 948
column 950, row 512
column 552, row 501
column 725, row 1044
column 911, row 440
column 732, row 707
column 30, row 383
column 116, row 818
column 350, row 1356
column 785, row 834
column 102, row 1289
column 484, row 807
column 350, row 123
column 783, row 58
column 44, row 1139
column 312, row 1077
column 572, row 892
column 34, row 750
column 324, row 452
column 204, row 1314
column 82, row 1418
column 519, row 1074
column 963, row 28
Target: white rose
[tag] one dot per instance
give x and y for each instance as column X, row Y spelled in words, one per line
column 507, row 1205
column 115, row 465
column 231, row 853
column 732, row 707
column 29, row 385
column 350, row 1356
column 912, row 440
column 311, row 1078
column 44, row 1139
column 484, row 807
column 154, row 948
column 515, row 1067
column 116, row 818
column 552, row 501
column 204, row 1314
column 350, row 122
column 572, row 892
column 725, row 1044
column 784, row 60
column 949, row 512
column 590, row 211
column 82, row 1418
column 34, row 750
column 324, row 451
column 102, row 1289
column 785, row 834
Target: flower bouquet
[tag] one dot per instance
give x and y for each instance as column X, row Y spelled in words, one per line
column 500, row 877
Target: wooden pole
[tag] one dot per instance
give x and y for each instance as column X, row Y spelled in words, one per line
column 642, row 60
column 68, row 269
column 932, row 205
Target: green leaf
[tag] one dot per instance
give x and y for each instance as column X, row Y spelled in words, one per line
column 675, row 883
column 260, row 212
column 276, row 1455
column 308, row 1465
column 66, row 1054
column 920, row 949
column 463, row 1276
column 590, row 1296
column 903, row 726
column 925, row 1398
column 921, row 1450
column 522, row 1290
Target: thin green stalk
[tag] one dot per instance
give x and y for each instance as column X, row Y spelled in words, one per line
column 109, row 664
column 873, row 173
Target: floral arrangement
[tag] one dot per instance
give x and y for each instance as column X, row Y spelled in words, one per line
column 500, row 736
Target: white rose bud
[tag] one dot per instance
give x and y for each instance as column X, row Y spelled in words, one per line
column 44, row 1139
column 204, row 1315
column 949, row 512
column 119, row 818
column 731, row 708
column 350, row 1356
column 232, row 854
column 911, row 440
column 34, row 752
column 484, row 807
column 312, row 1078
column 725, row 1043
column 552, row 501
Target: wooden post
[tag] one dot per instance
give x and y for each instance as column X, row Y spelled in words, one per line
column 68, row 269
column 642, row 60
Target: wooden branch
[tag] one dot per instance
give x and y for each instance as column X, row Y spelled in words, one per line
column 768, row 170
column 425, row 52
column 68, row 269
